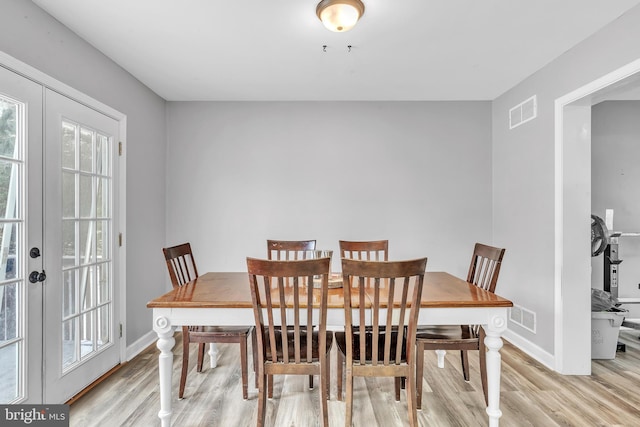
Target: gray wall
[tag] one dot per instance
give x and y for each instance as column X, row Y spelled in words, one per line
column 523, row 170
column 615, row 184
column 416, row 173
column 27, row 33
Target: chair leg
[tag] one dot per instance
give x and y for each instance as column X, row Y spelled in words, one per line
column 328, row 375
column 185, row 363
column 411, row 398
column 419, row 373
column 339, row 365
column 398, row 385
column 201, row 348
column 254, row 349
column 324, row 390
column 348, row 418
column 270, row 386
column 262, row 398
column 464, row 358
column 310, row 382
column 244, row 367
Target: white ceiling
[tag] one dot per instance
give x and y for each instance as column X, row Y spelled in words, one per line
column 273, row 50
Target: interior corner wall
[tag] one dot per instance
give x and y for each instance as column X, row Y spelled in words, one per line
column 30, row 35
column 615, row 178
column 524, row 167
column 416, row 173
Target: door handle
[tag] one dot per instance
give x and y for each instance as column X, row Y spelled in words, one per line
column 34, row 253
column 35, row 277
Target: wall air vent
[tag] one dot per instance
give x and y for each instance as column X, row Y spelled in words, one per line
column 523, row 317
column 523, row 112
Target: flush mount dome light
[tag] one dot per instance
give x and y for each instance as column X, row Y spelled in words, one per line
column 339, row 15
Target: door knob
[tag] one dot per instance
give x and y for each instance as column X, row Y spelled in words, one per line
column 35, row 277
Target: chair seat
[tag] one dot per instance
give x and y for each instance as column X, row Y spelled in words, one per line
column 453, row 333
column 303, row 345
column 223, row 331
column 340, row 338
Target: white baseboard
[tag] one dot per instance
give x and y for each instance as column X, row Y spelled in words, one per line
column 141, row 344
column 530, row 349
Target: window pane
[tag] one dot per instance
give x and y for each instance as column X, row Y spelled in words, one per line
column 9, row 187
column 87, row 233
column 9, row 262
column 102, row 155
column 68, row 243
column 8, row 131
column 86, row 150
column 102, row 197
column 68, row 145
column 86, row 334
column 70, row 293
column 69, row 340
column 87, row 209
column 104, row 326
column 9, row 312
column 68, row 195
column 9, row 372
column 104, row 290
column 87, row 287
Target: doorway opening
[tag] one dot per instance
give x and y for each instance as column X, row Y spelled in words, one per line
column 572, row 275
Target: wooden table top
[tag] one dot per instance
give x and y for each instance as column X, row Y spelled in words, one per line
column 231, row 290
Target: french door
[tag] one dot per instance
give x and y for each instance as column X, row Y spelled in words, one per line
column 59, row 310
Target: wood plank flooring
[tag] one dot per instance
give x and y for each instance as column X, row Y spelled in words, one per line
column 531, row 395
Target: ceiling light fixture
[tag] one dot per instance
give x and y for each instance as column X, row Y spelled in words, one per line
column 339, row 15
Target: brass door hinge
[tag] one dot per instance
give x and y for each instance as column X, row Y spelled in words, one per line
column 120, row 148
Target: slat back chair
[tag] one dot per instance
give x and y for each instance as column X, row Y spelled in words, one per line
column 300, row 311
column 287, row 250
column 380, row 323
column 483, row 272
column 182, row 269
column 369, row 250
column 373, row 250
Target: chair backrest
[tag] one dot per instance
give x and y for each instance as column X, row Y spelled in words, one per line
column 485, row 266
column 181, row 264
column 298, row 309
column 286, row 250
column 391, row 283
column 373, row 250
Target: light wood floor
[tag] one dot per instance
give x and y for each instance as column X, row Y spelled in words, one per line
column 531, row 395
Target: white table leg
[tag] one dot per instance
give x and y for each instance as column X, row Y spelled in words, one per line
column 165, row 344
column 213, row 355
column 441, row 354
column 494, row 344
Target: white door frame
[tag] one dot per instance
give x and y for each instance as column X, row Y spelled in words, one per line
column 37, row 76
column 572, row 276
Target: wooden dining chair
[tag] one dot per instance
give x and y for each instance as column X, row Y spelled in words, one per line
column 300, row 310
column 182, row 269
column 380, row 323
column 483, row 272
column 370, row 250
column 289, row 250
column 286, row 250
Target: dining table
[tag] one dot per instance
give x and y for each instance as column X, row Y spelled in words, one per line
column 224, row 299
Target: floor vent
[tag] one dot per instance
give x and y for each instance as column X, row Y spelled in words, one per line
column 523, row 317
column 523, row 112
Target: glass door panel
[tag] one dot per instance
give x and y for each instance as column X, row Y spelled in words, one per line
column 20, row 301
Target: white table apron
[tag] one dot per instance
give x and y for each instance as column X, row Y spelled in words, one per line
column 165, row 321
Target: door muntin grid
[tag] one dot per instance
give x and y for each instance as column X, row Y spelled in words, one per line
column 87, row 228
column 12, row 245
